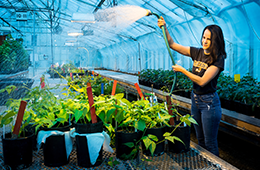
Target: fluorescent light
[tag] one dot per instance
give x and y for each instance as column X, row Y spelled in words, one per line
column 71, row 40
column 83, row 17
column 74, row 34
column 6, row 29
column 69, row 44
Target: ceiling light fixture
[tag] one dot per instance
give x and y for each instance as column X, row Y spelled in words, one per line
column 83, row 17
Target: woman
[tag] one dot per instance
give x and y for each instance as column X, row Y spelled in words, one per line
column 208, row 62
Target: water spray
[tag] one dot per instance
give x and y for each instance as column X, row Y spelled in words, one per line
column 167, row 45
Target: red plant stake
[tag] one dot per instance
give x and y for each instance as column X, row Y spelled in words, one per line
column 71, row 76
column 114, row 88
column 19, row 119
column 42, row 82
column 91, row 102
column 139, row 91
column 169, row 105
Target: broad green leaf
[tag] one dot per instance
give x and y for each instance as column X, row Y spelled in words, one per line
column 167, row 134
column 9, row 114
column 172, row 138
column 140, row 125
column 102, row 115
column 120, row 116
column 88, row 116
column 51, row 116
column 60, row 120
column 129, row 144
column 192, row 120
column 152, row 124
column 153, row 137
column 109, row 127
column 147, row 142
column 78, row 114
column 152, row 147
column 119, row 96
column 6, row 121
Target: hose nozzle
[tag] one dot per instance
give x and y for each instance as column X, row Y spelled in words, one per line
column 152, row 13
column 148, row 12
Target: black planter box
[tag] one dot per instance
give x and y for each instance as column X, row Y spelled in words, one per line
column 78, row 74
column 183, row 133
column 256, row 112
column 225, row 103
column 158, row 132
column 56, row 75
column 243, row 108
column 18, row 152
column 83, row 157
column 54, row 148
column 124, row 137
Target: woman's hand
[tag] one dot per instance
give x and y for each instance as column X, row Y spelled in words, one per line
column 178, row 68
column 161, row 22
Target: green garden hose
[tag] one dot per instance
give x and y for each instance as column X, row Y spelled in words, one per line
column 168, row 48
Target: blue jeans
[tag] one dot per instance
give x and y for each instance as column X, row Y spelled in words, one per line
column 206, row 110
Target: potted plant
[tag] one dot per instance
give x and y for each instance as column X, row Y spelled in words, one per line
column 17, row 152
column 151, row 119
column 178, row 134
column 89, row 135
column 51, row 125
column 156, row 118
column 146, row 122
column 124, row 128
column 77, row 71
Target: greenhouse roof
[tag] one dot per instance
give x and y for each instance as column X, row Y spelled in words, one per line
column 118, row 35
column 57, row 15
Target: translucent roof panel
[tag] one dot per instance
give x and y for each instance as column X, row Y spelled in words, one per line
column 45, row 25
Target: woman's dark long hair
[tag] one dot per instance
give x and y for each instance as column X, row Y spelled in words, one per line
column 217, row 46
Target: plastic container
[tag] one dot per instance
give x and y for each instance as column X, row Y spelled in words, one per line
column 18, row 152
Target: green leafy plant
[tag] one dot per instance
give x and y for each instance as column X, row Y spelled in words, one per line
column 141, row 115
column 47, row 106
column 113, row 162
column 13, row 56
column 7, row 118
column 58, row 71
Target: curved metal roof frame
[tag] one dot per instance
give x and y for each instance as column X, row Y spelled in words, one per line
column 57, row 13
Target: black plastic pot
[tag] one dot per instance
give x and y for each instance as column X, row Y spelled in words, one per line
column 182, row 132
column 158, row 132
column 244, row 108
column 54, row 75
column 225, row 103
column 257, row 112
column 89, row 128
column 141, row 81
column 187, row 94
column 18, row 152
column 122, row 137
column 54, row 148
column 83, row 158
column 31, row 129
column 78, row 74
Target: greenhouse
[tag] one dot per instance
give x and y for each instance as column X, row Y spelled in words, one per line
column 130, row 84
